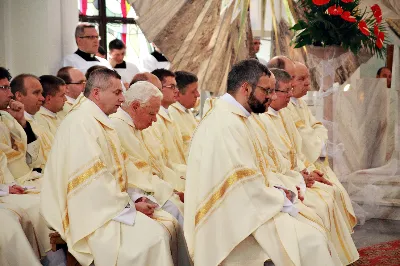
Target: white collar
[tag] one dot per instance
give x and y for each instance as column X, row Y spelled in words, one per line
column 272, row 111
column 229, row 98
column 126, row 115
column 29, row 116
column 106, row 116
column 47, row 111
column 70, row 99
column 184, row 108
column 165, row 109
column 294, row 100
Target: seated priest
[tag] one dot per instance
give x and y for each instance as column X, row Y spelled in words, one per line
column 84, row 195
column 169, row 143
column 316, row 192
column 313, row 136
column 75, row 81
column 87, row 39
column 138, row 112
column 235, row 212
column 28, row 90
column 54, row 99
column 17, row 140
column 160, row 165
column 180, row 112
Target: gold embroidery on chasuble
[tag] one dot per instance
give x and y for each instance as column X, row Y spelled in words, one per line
column 233, row 178
column 290, row 144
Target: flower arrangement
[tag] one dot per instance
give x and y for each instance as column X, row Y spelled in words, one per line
column 342, row 23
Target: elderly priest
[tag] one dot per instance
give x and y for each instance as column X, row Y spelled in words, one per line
column 84, row 194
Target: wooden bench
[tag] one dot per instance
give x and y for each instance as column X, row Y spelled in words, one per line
column 57, row 243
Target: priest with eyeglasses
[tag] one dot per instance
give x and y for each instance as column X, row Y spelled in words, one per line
column 87, row 39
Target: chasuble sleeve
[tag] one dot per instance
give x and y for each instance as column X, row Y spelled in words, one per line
column 82, row 188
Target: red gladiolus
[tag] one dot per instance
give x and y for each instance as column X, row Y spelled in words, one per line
column 335, row 10
column 320, row 2
column 348, row 17
column 377, row 12
column 376, row 30
column 347, row 1
column 380, row 39
column 362, row 25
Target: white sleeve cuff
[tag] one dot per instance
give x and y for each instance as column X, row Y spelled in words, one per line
column 288, row 206
column 323, row 150
column 4, row 190
column 127, row 215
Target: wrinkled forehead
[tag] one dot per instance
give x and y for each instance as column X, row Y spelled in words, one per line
column 90, row 31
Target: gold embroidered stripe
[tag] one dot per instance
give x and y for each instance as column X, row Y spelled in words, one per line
column 186, row 138
column 65, row 221
column 220, row 192
column 84, row 176
column 300, row 124
column 141, row 164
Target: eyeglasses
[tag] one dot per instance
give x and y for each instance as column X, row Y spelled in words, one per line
column 288, row 91
column 91, row 37
column 5, row 87
column 83, row 82
column 172, row 86
column 266, row 90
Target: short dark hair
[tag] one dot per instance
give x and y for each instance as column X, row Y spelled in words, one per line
column 380, row 70
column 100, row 78
column 18, row 83
column 280, row 76
column 249, row 70
column 91, row 69
column 101, row 50
column 183, row 79
column 5, row 74
column 161, row 73
column 116, row 44
column 50, row 84
column 63, row 73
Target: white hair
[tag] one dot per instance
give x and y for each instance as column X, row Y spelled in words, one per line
column 141, row 91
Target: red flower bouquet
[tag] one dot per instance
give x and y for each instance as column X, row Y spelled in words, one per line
column 342, row 23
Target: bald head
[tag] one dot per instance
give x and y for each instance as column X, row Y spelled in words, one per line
column 301, row 82
column 146, row 76
column 282, row 62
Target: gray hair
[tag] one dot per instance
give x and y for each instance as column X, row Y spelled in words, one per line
column 141, row 91
column 100, row 78
column 80, row 29
column 280, row 76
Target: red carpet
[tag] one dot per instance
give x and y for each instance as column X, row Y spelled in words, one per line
column 384, row 254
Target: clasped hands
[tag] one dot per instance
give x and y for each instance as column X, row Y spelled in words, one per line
column 314, row 176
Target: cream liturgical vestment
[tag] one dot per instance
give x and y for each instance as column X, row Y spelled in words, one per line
column 45, row 139
column 232, row 215
column 143, row 182
column 21, row 157
column 270, row 130
column 186, row 122
column 164, row 139
column 314, row 137
column 17, row 238
column 84, row 195
column 48, row 120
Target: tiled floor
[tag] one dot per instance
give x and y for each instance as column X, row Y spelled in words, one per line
column 376, row 231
